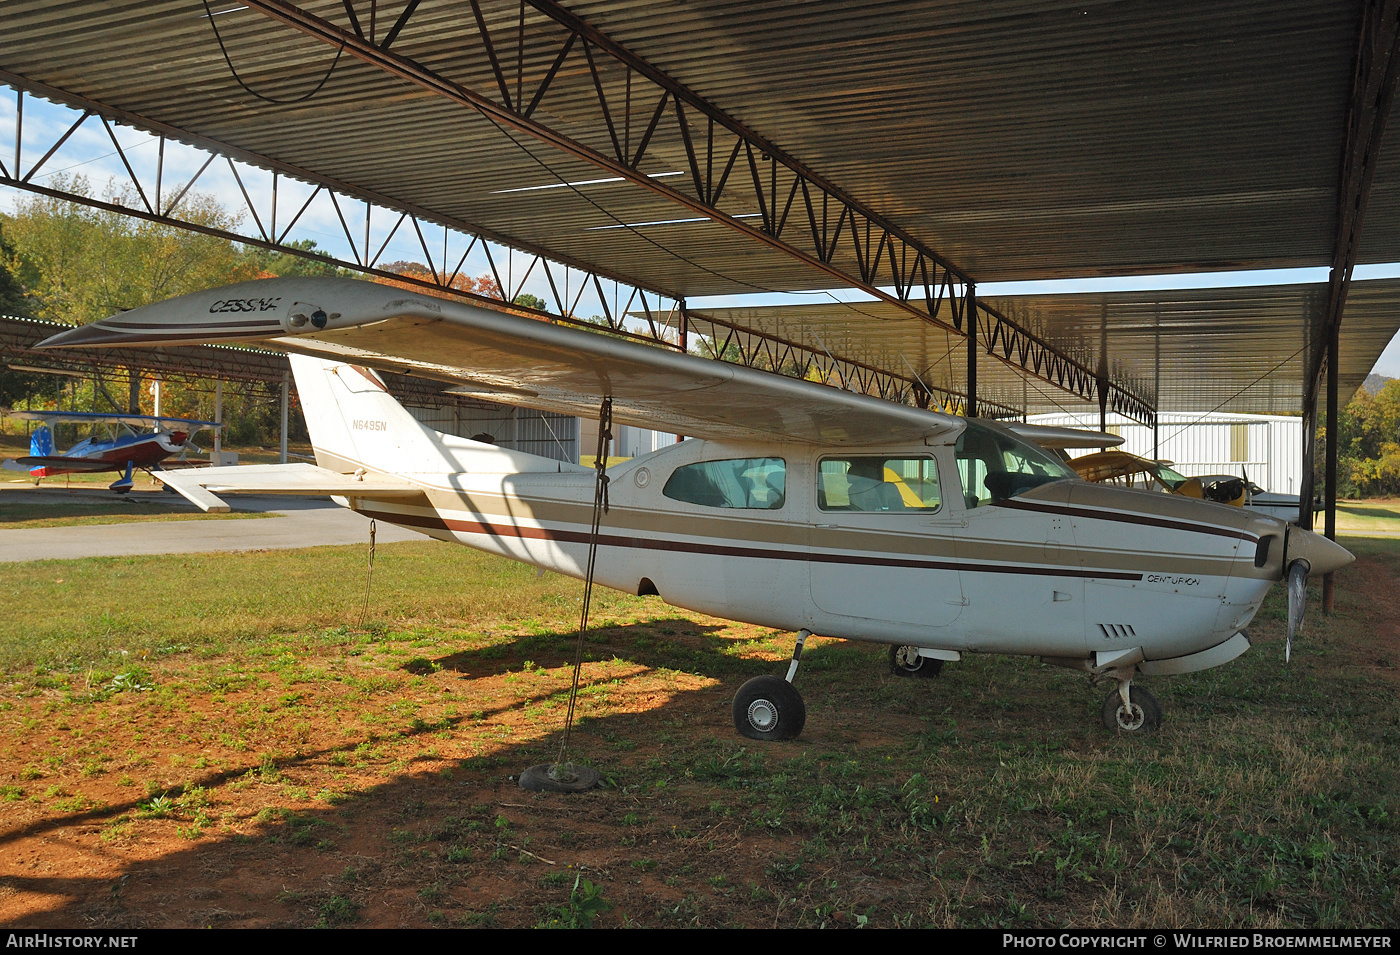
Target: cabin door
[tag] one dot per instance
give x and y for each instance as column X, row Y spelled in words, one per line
column 882, row 546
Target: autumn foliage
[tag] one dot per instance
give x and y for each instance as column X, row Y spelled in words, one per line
column 416, row 272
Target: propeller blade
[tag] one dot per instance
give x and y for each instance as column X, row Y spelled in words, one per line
column 1297, row 602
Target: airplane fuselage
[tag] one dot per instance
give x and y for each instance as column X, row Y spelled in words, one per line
column 1068, row 570
column 97, row 454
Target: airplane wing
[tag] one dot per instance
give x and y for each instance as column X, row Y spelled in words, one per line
column 1057, row 438
column 513, row 359
column 68, row 464
column 198, row 485
column 97, row 417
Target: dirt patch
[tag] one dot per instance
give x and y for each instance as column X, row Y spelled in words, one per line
column 366, row 778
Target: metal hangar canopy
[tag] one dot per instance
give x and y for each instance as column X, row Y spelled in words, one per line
column 908, row 150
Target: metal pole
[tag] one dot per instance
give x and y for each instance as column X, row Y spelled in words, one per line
column 284, row 418
column 970, row 322
column 1101, row 382
column 1305, row 491
column 218, row 414
column 1330, row 520
column 1157, row 383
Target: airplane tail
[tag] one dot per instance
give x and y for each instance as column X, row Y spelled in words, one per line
column 355, row 423
column 41, row 446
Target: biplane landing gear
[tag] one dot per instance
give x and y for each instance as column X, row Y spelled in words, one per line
column 1132, row 710
column 769, row 707
column 906, row 661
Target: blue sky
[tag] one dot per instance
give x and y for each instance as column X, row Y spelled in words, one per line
column 89, row 152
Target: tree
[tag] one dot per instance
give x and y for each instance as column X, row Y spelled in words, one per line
column 483, row 285
column 13, row 297
column 1368, row 443
column 269, row 264
column 526, row 300
column 81, row 264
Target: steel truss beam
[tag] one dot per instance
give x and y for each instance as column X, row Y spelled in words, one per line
column 1376, row 67
column 569, row 282
column 731, row 169
column 757, row 349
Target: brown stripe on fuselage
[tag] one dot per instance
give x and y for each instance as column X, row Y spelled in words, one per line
column 908, row 535
column 1100, row 515
column 455, row 525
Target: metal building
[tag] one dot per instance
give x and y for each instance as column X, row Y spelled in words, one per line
column 1268, row 449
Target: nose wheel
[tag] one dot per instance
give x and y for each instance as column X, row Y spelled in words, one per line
column 1132, row 711
column 905, row 661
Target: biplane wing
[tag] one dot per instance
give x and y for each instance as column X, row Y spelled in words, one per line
column 61, row 463
column 98, row 417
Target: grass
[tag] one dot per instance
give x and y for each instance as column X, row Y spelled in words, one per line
column 1361, row 517
column 237, row 720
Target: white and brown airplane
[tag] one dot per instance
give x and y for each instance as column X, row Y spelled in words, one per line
column 793, row 505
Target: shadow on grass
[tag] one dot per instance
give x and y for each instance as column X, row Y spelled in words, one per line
column 987, row 797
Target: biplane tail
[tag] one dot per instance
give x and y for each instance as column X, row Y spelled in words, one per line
column 41, row 443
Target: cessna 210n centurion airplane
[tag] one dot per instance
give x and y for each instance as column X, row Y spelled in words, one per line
column 793, row 505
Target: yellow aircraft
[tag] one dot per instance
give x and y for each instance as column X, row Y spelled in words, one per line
column 1120, row 467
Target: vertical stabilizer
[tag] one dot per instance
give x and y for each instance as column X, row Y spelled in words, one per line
column 41, row 446
column 355, row 422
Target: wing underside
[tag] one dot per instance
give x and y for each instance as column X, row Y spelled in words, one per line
column 512, row 359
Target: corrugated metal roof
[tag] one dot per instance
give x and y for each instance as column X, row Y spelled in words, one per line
column 1020, row 140
column 1233, row 349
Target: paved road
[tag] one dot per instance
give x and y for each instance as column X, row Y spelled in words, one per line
column 299, row 523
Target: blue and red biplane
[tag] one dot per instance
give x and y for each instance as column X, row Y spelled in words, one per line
column 123, row 449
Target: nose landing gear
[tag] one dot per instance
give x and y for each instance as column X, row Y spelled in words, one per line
column 1131, row 710
column 906, row 661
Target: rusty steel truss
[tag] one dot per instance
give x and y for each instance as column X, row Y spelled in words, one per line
column 839, row 227
column 731, row 168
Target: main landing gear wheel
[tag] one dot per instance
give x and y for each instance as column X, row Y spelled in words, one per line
column 769, row 707
column 1144, row 715
column 905, row 661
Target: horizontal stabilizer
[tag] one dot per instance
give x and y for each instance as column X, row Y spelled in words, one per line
column 69, row 464
column 201, row 486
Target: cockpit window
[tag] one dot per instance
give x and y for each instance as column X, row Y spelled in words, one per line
column 749, row 483
column 995, row 465
column 878, row 483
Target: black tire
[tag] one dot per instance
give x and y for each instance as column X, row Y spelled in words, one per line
column 1145, row 715
column 922, row 666
column 769, row 707
column 543, row 779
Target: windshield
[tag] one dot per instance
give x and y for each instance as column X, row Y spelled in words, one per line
column 995, row 465
column 1170, row 478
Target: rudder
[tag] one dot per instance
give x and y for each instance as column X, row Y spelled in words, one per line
column 355, row 423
